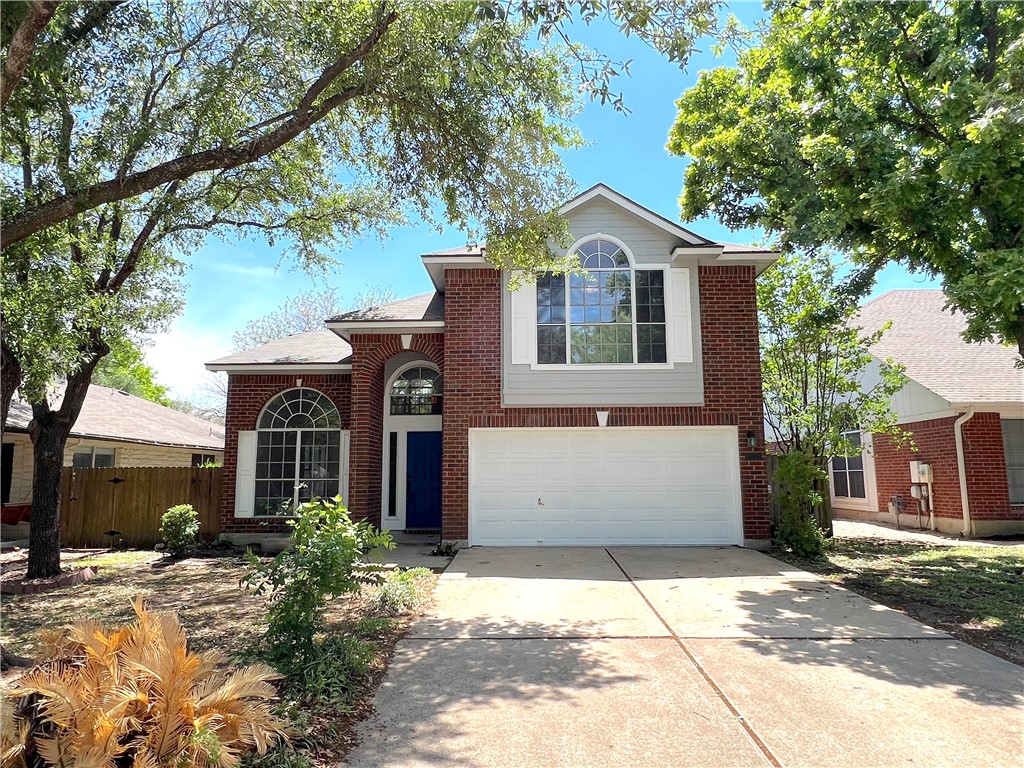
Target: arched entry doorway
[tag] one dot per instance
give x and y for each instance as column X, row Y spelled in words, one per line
column 412, row 448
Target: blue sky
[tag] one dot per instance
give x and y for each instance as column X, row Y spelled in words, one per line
column 230, row 283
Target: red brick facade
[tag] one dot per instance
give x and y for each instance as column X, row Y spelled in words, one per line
column 987, row 489
column 732, row 384
column 469, row 352
column 247, row 396
column 370, row 353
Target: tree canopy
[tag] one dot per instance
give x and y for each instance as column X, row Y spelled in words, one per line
column 890, row 131
column 819, row 375
column 305, row 312
column 125, row 369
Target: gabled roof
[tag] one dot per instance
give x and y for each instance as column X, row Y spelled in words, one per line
column 110, row 414
column 926, row 339
column 617, row 198
column 311, row 348
column 426, row 306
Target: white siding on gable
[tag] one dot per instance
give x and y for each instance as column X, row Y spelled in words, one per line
column 681, row 382
column 647, row 243
column 245, row 474
column 912, row 403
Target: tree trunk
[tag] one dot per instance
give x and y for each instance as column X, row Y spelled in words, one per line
column 49, row 430
column 10, row 378
column 49, row 437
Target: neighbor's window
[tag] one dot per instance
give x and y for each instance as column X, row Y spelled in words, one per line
column 612, row 314
column 90, row 457
column 848, row 472
column 203, row 459
column 298, row 451
column 1013, row 450
column 417, row 392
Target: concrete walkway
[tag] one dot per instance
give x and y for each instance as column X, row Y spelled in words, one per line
column 680, row 657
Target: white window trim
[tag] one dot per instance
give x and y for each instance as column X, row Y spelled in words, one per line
column 1006, row 462
column 870, row 501
column 634, row 266
column 91, row 450
column 342, row 456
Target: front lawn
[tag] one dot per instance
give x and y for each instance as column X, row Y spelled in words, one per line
column 975, row 593
column 217, row 613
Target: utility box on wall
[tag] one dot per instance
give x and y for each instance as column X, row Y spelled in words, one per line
column 920, row 472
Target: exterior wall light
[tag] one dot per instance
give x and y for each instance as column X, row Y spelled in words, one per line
column 751, row 439
column 602, row 418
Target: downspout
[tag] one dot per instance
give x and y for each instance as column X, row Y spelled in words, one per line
column 961, row 465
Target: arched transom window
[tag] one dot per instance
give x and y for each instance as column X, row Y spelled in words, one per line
column 610, row 314
column 417, row 391
column 298, row 451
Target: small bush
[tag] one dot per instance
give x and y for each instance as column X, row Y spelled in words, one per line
column 136, row 696
column 335, row 671
column 400, row 592
column 795, row 480
column 325, row 560
column 179, row 528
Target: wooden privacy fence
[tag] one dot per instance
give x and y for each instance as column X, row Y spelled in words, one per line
column 131, row 500
column 822, row 510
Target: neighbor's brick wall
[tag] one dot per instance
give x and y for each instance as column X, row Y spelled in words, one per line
column 732, row 388
column 935, row 441
column 247, row 396
column 370, row 353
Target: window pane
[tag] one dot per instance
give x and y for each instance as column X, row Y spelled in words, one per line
column 857, row 485
column 103, row 459
column 1013, row 450
column 551, row 345
column 82, row 459
column 839, row 484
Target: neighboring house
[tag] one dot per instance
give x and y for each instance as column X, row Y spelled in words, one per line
column 963, row 405
column 115, row 429
column 622, row 407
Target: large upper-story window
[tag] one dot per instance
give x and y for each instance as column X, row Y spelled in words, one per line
column 610, row 314
column 298, row 451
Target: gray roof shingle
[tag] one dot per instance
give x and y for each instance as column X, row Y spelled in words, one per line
column 316, row 347
column 111, row 414
column 926, row 339
column 425, row 307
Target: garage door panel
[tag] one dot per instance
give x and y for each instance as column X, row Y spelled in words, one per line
column 605, row 486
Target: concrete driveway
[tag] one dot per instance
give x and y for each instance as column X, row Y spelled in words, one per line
column 680, row 657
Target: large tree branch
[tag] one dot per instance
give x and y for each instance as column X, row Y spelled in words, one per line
column 23, row 43
column 28, row 222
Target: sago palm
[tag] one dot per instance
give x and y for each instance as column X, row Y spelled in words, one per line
column 136, row 696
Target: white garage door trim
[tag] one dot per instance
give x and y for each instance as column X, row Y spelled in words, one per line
column 530, row 486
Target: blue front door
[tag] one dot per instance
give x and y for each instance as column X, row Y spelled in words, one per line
column 423, row 480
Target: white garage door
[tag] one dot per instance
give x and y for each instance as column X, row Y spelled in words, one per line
column 557, row 487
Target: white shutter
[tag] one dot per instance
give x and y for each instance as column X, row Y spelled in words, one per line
column 245, row 474
column 524, row 325
column 343, row 459
column 680, row 316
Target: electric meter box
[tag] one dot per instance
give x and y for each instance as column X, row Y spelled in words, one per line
column 920, row 472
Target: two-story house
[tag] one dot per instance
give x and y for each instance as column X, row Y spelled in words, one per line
column 619, row 406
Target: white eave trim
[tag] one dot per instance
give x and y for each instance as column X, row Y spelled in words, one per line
column 271, row 368
column 436, row 264
column 347, row 329
column 606, row 193
column 707, row 255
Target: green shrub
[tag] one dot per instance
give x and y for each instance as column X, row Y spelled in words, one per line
column 325, row 560
column 179, row 528
column 795, row 484
column 335, row 670
column 399, row 593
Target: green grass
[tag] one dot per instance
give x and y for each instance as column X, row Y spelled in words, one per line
column 975, row 592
